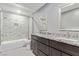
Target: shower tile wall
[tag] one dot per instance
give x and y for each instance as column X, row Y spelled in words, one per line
column 14, row 27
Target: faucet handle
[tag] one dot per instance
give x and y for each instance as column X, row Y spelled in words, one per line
column 77, row 35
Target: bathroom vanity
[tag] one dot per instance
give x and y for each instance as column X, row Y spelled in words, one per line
column 60, row 46
column 42, row 46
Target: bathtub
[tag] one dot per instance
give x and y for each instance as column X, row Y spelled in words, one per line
column 7, row 45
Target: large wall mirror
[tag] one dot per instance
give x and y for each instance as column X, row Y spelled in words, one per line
column 69, row 18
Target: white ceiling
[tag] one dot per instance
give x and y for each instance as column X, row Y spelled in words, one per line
column 32, row 6
column 26, row 8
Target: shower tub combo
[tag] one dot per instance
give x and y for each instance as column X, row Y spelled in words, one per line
column 13, row 27
column 7, row 45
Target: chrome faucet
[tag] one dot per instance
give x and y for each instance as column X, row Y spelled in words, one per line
column 68, row 35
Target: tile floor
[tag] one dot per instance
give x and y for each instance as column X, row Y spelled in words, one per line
column 21, row 51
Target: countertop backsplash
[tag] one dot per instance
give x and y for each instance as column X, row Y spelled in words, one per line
column 70, row 35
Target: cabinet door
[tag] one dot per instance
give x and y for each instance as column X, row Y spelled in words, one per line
column 54, row 52
column 70, row 49
column 32, row 44
column 41, row 53
column 35, row 47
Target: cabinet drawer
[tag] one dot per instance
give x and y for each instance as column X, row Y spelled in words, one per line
column 44, row 48
column 54, row 52
column 34, row 37
column 56, row 44
column 44, row 40
column 41, row 39
column 70, row 49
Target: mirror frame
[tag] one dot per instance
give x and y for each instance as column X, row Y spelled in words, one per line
column 75, row 5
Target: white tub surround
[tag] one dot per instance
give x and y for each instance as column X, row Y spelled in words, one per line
column 7, row 45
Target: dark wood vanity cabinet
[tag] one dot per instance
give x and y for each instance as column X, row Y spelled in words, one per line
column 40, row 53
column 39, row 47
column 46, row 47
column 70, row 49
column 64, row 54
column 54, row 52
column 34, row 45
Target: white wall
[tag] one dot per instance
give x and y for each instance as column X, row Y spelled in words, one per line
column 52, row 12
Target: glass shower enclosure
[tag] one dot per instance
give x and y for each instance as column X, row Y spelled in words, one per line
column 13, row 26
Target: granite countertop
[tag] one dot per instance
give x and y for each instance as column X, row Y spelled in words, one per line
column 61, row 39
